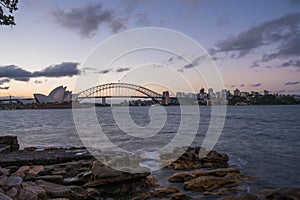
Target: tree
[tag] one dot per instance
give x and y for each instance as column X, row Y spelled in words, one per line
column 7, row 7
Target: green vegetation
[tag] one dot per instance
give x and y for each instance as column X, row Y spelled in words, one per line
column 7, row 7
column 268, row 99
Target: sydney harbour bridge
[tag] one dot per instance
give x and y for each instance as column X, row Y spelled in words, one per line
column 119, row 90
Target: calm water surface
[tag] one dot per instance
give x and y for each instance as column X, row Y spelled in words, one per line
column 263, row 141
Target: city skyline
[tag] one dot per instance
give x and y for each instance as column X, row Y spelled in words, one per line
column 255, row 45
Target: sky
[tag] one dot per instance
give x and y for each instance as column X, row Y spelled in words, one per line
column 255, row 45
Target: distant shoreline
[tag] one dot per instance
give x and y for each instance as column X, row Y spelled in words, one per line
column 118, row 105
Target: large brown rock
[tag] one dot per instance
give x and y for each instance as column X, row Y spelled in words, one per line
column 186, row 176
column 192, row 159
column 22, row 171
column 36, row 169
column 210, row 183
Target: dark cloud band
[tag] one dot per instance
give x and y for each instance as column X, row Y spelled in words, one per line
column 292, row 83
column 60, row 70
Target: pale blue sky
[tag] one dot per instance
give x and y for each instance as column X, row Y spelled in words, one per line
column 50, row 33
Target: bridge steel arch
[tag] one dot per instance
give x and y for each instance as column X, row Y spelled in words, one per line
column 90, row 93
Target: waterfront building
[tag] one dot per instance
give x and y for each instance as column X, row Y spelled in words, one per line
column 237, row 92
column 266, row 92
column 165, row 98
column 58, row 95
column 224, row 94
column 202, row 91
column 244, row 94
column 180, row 95
column 191, row 95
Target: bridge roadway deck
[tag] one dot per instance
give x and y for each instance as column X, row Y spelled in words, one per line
column 133, row 97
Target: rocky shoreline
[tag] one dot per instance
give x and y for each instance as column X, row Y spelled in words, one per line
column 73, row 173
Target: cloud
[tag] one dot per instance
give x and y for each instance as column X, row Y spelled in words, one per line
column 293, row 63
column 194, row 62
column 290, row 48
column 5, row 80
column 282, row 32
column 4, row 88
column 255, row 85
column 254, row 64
column 281, row 91
column 85, row 70
column 292, row 83
column 38, row 82
column 122, row 69
column 104, row 71
column 118, row 25
column 2, row 82
column 86, row 20
column 142, row 19
column 14, row 72
column 89, row 68
column 223, row 20
column 59, row 70
column 296, row 91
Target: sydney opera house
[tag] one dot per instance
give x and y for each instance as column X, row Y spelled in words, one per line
column 57, row 96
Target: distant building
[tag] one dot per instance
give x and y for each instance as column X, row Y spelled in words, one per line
column 191, row 96
column 165, row 98
column 58, row 95
column 266, row 92
column 254, row 94
column 244, row 94
column 180, row 95
column 202, row 91
column 211, row 93
column 224, row 94
column 236, row 92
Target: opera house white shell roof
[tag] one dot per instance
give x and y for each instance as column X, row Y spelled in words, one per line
column 57, row 95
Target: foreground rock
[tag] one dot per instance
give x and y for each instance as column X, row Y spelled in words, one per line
column 203, row 181
column 61, row 173
column 210, row 183
column 187, row 176
column 194, row 158
column 67, row 174
column 8, row 144
column 46, row 157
